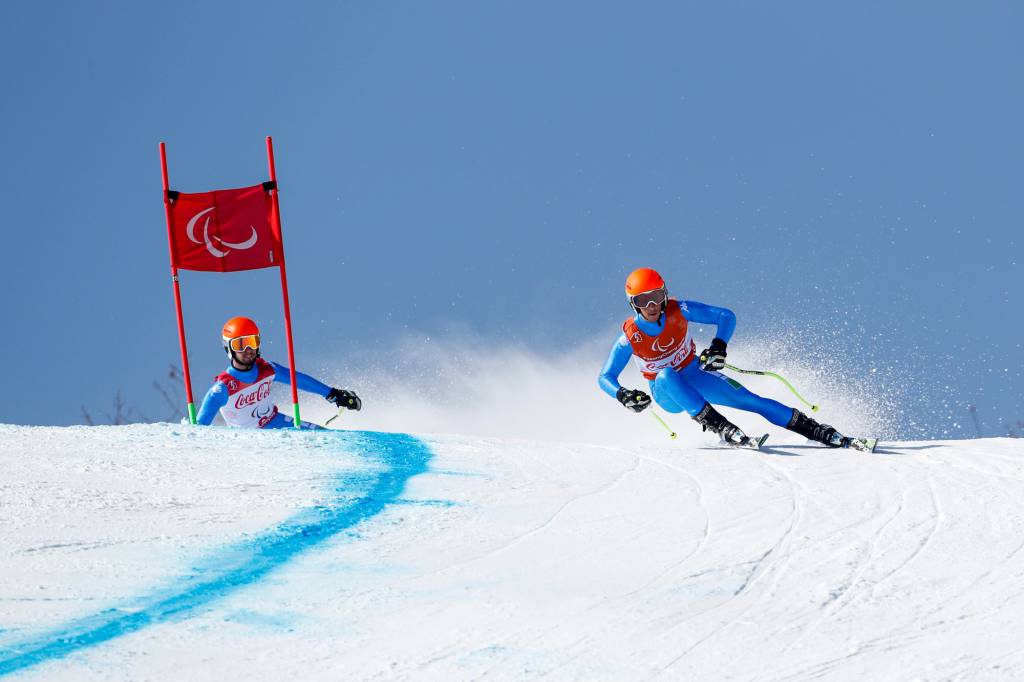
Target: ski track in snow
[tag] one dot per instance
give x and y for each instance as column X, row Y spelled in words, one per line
column 762, row 565
column 509, row 559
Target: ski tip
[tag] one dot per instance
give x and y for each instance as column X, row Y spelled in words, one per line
column 761, row 440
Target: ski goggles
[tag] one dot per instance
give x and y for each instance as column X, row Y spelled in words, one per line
column 240, row 343
column 646, row 298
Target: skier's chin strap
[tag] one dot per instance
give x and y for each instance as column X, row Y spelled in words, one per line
column 237, row 364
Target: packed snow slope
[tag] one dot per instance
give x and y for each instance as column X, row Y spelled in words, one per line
column 172, row 552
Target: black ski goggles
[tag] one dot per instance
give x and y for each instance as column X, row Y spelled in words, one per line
column 645, row 298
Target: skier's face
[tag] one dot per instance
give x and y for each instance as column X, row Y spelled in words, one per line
column 651, row 313
column 650, row 303
column 245, row 357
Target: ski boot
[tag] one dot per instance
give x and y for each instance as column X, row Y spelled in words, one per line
column 712, row 420
column 812, row 430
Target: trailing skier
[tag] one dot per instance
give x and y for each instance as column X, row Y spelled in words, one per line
column 242, row 392
column 658, row 338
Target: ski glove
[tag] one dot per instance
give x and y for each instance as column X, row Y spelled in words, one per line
column 632, row 399
column 712, row 358
column 343, row 398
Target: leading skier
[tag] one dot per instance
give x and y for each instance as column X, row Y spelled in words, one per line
column 658, row 338
column 242, row 392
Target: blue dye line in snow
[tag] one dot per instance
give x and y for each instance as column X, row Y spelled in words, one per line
column 361, row 495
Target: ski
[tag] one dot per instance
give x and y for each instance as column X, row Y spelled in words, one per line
column 862, row 444
column 751, row 443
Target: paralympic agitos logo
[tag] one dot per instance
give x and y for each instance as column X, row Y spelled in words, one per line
column 660, row 347
column 253, row 397
column 225, row 247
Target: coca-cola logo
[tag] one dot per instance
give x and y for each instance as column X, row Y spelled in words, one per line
column 252, row 397
column 659, row 363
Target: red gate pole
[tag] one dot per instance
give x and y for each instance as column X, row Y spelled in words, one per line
column 177, row 289
column 275, row 225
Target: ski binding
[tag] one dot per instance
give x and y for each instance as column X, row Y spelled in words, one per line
column 862, row 444
column 754, row 443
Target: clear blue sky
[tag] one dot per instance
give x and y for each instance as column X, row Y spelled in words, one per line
column 849, row 167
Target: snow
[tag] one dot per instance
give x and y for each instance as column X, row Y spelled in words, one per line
column 168, row 552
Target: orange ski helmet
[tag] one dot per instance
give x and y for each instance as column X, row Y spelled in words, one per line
column 243, row 332
column 645, row 286
column 643, row 279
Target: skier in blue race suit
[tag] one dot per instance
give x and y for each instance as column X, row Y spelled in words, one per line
column 242, row 392
column 658, row 338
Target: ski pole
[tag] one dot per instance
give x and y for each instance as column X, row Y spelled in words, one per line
column 814, row 408
column 340, row 409
column 671, row 434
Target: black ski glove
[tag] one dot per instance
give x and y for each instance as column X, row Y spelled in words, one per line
column 343, row 398
column 633, row 399
column 712, row 358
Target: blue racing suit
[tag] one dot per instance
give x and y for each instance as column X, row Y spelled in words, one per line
column 687, row 390
column 218, row 395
